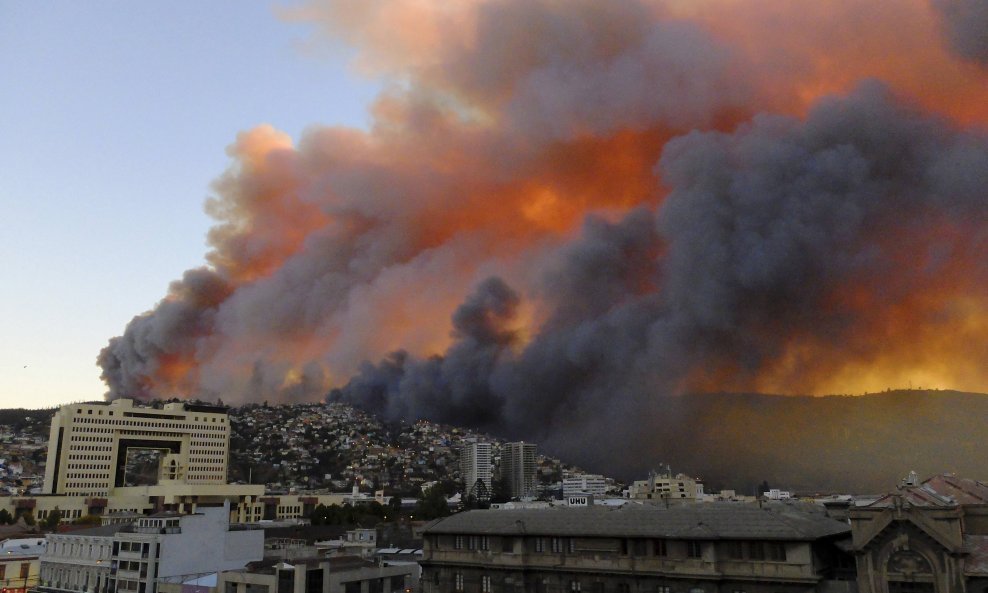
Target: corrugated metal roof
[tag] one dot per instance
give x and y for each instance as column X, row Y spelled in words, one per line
column 700, row 522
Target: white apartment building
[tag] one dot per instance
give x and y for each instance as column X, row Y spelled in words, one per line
column 79, row 560
column 134, row 558
column 584, row 484
column 475, row 469
column 518, row 469
column 89, row 443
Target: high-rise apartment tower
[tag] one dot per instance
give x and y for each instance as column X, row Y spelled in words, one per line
column 475, row 469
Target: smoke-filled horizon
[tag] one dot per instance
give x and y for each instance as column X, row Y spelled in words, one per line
column 567, row 213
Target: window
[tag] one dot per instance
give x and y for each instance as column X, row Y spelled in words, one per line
column 694, row 550
column 540, row 544
column 458, row 581
column 574, row 586
column 485, row 584
column 659, row 547
column 507, row 545
column 458, row 544
column 735, row 550
column 623, row 588
column 756, row 551
column 557, row 545
column 485, row 543
column 776, row 552
column 663, row 589
column 25, row 569
column 638, row 547
column 3, row 571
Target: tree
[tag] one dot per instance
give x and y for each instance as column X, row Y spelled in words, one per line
column 51, row 522
column 93, row 520
column 432, row 504
column 27, row 517
column 5, row 517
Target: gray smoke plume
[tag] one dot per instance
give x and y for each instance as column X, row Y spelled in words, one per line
column 839, row 243
column 966, row 25
column 770, row 236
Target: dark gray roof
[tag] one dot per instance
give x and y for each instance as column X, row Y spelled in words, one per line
column 697, row 521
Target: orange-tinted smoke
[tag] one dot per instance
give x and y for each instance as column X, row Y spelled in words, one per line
column 805, row 50
column 487, row 152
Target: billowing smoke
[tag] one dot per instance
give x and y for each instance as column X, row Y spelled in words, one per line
column 966, row 25
column 566, row 216
column 788, row 253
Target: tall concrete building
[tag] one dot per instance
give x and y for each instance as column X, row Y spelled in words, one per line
column 89, row 444
column 475, row 469
column 518, row 469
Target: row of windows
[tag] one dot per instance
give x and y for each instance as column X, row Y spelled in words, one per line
column 206, row 424
column 73, row 549
column 774, row 551
column 86, row 466
column 573, row 586
column 91, row 439
column 87, row 476
column 472, row 542
column 217, row 441
column 737, row 550
column 207, row 460
column 77, row 485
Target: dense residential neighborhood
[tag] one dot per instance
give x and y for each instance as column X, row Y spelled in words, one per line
column 324, row 447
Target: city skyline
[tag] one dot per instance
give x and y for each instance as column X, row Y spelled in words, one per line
column 544, row 219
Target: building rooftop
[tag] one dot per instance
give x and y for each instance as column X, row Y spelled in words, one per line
column 701, row 521
column 101, row 531
column 942, row 490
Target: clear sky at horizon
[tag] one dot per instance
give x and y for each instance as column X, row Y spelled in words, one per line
column 114, row 119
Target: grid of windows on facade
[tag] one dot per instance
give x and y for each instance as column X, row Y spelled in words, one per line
column 771, row 551
column 472, row 542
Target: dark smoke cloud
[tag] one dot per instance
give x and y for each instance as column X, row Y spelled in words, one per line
column 777, row 253
column 764, row 231
column 966, row 25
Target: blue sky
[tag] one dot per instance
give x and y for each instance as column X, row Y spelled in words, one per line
column 114, row 119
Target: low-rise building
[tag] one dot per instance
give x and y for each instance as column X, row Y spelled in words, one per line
column 666, row 487
column 341, row 574
column 639, row 548
column 20, row 563
column 592, row 484
column 133, row 558
column 929, row 537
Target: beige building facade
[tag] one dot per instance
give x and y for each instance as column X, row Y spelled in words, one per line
column 89, row 443
column 708, row 548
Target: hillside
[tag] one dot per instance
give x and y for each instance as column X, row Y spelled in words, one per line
column 835, row 443
column 849, row 443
